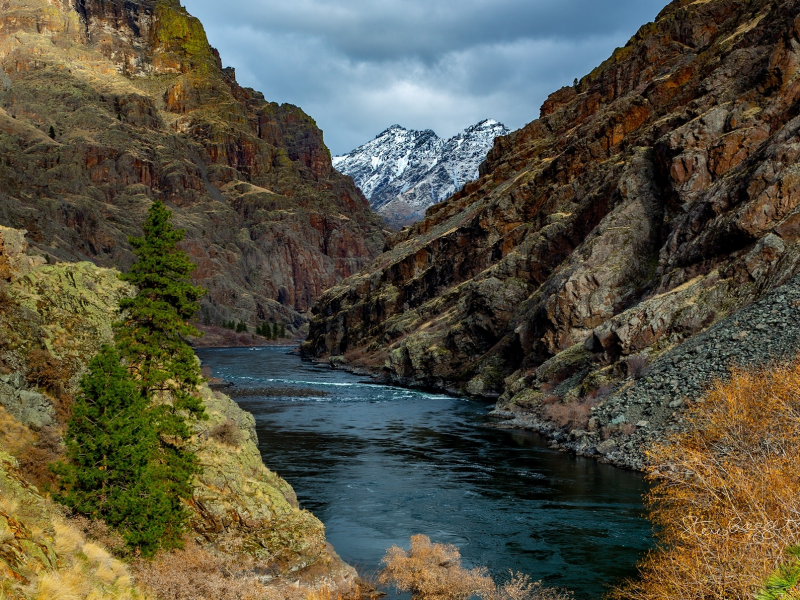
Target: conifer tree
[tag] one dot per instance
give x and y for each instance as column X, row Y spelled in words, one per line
column 111, row 447
column 151, row 337
column 282, row 332
column 274, row 331
column 128, row 459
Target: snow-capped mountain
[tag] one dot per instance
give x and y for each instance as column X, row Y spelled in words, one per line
column 403, row 172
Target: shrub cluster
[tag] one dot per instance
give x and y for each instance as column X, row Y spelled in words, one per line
column 726, row 504
column 432, row 571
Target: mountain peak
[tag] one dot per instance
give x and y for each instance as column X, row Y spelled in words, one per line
column 403, row 171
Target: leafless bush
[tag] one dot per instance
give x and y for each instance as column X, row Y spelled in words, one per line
column 36, row 457
column 573, row 415
column 550, row 400
column 434, row 572
column 637, row 366
column 227, row 433
column 99, row 531
column 520, row 587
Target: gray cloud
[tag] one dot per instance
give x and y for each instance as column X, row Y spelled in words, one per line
column 358, row 66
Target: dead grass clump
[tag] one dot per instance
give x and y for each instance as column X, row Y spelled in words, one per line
column 573, row 415
column 433, row 572
column 227, row 433
column 548, row 400
column 727, row 500
column 194, row 573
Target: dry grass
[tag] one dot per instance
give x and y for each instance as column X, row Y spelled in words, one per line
column 727, row 500
column 195, row 573
column 433, row 572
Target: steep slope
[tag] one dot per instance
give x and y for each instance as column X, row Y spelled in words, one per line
column 141, row 108
column 404, row 172
column 53, row 319
column 647, row 203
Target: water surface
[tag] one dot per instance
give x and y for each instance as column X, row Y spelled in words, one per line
column 379, row 464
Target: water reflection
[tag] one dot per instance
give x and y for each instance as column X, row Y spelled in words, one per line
column 379, row 464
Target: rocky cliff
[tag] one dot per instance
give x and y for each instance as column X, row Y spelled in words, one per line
column 646, row 204
column 403, row 172
column 105, row 106
column 53, row 319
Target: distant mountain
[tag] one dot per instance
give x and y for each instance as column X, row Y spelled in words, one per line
column 403, row 172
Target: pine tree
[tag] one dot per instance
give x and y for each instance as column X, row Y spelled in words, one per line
column 112, row 448
column 150, row 340
column 274, row 331
column 128, row 461
column 52, row 133
column 151, row 336
column 282, row 332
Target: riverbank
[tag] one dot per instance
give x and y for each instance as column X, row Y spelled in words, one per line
column 378, row 464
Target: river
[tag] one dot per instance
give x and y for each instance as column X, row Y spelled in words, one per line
column 379, row 464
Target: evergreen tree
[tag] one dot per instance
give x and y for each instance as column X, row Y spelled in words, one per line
column 282, row 331
column 126, row 444
column 274, row 331
column 151, row 338
column 112, row 447
column 151, row 341
column 52, row 133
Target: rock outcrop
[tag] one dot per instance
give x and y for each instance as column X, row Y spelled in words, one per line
column 64, row 312
column 647, row 203
column 105, row 107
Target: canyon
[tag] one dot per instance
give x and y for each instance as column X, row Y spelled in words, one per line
column 652, row 200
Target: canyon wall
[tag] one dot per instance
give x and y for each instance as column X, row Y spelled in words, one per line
column 650, row 201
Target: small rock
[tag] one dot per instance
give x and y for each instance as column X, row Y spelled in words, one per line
column 607, row 447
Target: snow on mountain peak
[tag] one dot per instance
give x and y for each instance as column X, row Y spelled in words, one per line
column 402, row 171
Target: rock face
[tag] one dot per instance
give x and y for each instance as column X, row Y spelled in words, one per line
column 403, row 172
column 105, row 107
column 649, row 202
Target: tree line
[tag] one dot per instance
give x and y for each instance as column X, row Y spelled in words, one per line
column 271, row 331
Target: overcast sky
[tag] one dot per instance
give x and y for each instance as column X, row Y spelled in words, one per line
column 359, row 66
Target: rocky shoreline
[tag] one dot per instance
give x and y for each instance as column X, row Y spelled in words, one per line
column 767, row 331
column 641, row 412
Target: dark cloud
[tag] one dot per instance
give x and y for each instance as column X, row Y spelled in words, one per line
column 358, row 66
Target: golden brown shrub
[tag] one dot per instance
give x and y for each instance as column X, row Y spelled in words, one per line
column 195, row 573
column 434, row 572
column 727, row 499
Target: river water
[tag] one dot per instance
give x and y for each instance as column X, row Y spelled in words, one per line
column 379, row 464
